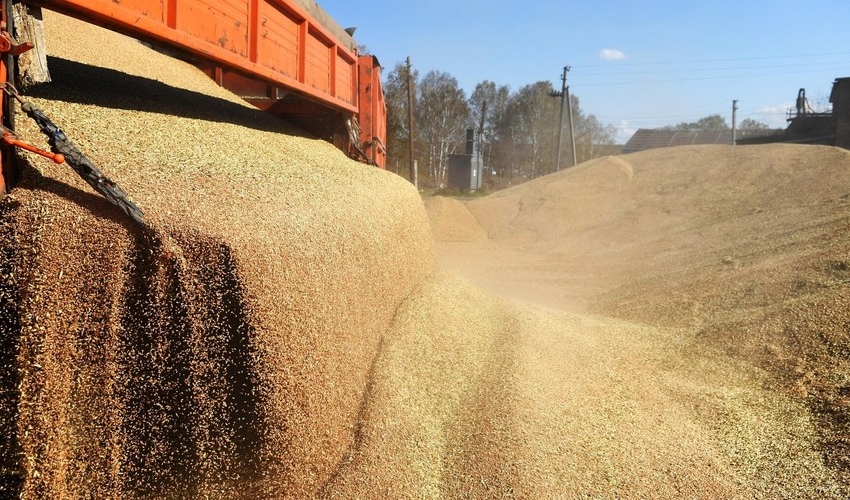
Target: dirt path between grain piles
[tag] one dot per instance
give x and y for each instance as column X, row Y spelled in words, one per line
column 281, row 333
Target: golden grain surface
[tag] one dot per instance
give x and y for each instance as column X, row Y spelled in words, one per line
column 225, row 350
column 668, row 324
column 730, row 268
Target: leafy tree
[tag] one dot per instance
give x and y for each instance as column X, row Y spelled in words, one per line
column 750, row 124
column 492, row 100
column 519, row 129
column 481, row 99
column 442, row 115
column 591, row 135
column 395, row 96
column 529, row 120
column 711, row 122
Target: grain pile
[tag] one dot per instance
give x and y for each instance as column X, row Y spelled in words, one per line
column 280, row 331
column 225, row 352
column 737, row 263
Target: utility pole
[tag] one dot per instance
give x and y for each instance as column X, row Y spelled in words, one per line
column 560, row 94
column 570, row 112
column 414, row 174
column 734, row 124
column 481, row 129
column 564, row 94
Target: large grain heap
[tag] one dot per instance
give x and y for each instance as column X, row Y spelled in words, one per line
column 741, row 255
column 224, row 352
column 281, row 331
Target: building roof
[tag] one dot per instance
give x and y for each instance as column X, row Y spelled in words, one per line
column 648, row 138
column 837, row 86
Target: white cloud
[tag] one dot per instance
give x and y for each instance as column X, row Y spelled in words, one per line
column 611, row 54
column 774, row 110
column 774, row 116
column 625, row 132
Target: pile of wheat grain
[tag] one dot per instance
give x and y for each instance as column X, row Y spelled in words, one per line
column 225, row 351
column 745, row 251
column 280, row 331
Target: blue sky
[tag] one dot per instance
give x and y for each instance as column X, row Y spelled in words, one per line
column 633, row 64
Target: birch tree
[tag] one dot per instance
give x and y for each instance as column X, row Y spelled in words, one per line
column 591, row 136
column 442, row 115
column 530, row 118
column 491, row 101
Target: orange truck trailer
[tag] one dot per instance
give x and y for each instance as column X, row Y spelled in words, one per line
column 287, row 57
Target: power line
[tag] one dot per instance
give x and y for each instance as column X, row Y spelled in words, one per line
column 700, row 78
column 707, row 107
column 699, row 61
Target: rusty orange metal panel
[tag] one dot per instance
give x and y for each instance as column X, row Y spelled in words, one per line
column 373, row 110
column 317, row 56
column 153, row 10
column 253, row 23
column 346, row 71
column 6, row 165
column 220, row 22
column 278, row 35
